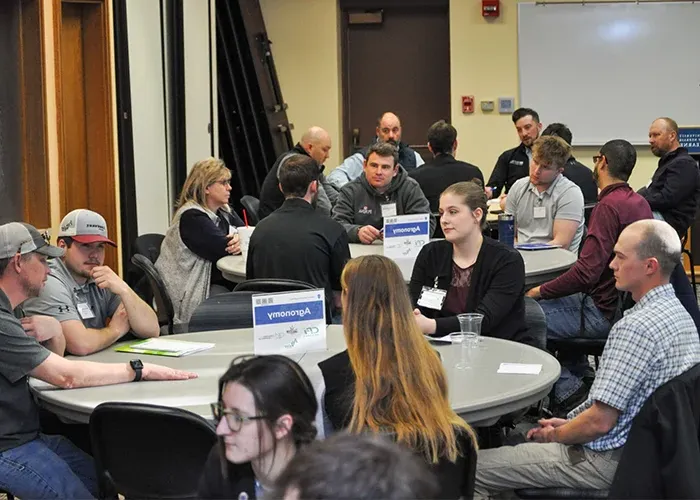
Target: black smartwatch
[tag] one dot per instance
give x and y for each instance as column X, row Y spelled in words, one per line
column 137, row 366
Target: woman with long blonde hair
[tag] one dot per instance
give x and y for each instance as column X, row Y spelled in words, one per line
column 202, row 232
column 390, row 380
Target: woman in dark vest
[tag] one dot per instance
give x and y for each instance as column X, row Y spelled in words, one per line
column 391, row 381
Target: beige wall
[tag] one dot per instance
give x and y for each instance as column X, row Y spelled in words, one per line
column 306, row 50
column 484, row 63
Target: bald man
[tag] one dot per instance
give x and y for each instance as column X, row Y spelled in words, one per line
column 655, row 341
column 388, row 130
column 674, row 191
column 315, row 143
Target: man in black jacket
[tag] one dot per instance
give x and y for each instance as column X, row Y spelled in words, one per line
column 297, row 242
column 674, row 190
column 443, row 170
column 316, row 143
column 575, row 171
column 514, row 164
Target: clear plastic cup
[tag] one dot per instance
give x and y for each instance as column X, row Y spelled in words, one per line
column 470, row 327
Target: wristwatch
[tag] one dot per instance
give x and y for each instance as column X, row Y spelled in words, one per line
column 137, row 366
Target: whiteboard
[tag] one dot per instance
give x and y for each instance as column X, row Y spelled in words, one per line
column 608, row 70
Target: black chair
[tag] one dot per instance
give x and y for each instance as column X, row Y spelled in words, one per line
column 223, row 312
column 252, row 207
column 273, row 285
column 164, row 306
column 691, row 262
column 147, row 451
column 147, row 245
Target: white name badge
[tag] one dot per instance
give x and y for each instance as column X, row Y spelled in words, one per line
column 540, row 212
column 85, row 311
column 388, row 209
column 432, row 298
column 291, row 322
column 405, row 235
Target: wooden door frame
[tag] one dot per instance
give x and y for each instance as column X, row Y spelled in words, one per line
column 103, row 58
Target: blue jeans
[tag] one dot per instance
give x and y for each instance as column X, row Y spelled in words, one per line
column 48, row 467
column 564, row 322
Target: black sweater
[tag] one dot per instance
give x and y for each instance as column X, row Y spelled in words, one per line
column 213, row 484
column 456, row 479
column 675, row 189
column 208, row 239
column 496, row 291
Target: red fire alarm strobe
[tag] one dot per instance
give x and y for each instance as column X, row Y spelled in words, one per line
column 467, row 104
column 490, row 8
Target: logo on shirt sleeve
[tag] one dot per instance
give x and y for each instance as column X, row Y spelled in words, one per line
column 63, row 309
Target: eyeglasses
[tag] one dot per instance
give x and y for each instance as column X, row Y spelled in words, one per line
column 597, row 158
column 224, row 183
column 234, row 420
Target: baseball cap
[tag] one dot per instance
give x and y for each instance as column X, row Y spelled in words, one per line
column 85, row 226
column 18, row 237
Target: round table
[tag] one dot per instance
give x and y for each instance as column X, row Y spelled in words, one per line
column 540, row 265
column 480, row 395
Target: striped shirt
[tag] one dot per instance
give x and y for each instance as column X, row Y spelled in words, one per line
column 654, row 342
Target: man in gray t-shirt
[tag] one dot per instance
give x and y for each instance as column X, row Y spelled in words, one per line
column 32, row 464
column 94, row 306
column 548, row 207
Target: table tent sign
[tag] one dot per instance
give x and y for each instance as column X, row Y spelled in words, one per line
column 405, row 235
column 289, row 322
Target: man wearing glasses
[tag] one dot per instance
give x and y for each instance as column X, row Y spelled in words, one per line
column 548, row 207
column 588, row 289
column 93, row 304
column 33, row 464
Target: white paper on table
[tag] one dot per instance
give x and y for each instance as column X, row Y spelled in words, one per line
column 446, row 339
column 520, row 368
column 290, row 322
column 405, row 235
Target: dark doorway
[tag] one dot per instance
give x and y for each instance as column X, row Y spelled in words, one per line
column 395, row 58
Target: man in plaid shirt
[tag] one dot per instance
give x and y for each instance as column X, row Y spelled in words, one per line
column 654, row 342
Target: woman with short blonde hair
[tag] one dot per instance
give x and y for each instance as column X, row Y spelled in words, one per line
column 390, row 380
column 202, row 231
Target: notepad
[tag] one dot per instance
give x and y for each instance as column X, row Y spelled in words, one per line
column 535, row 246
column 520, row 368
column 165, row 347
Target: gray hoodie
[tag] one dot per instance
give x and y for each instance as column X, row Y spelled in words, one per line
column 359, row 204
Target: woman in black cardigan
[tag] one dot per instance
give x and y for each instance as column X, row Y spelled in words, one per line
column 473, row 273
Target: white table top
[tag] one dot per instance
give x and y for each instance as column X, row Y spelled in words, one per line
column 540, row 265
column 479, row 395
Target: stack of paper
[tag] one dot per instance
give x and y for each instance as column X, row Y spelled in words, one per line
column 165, row 347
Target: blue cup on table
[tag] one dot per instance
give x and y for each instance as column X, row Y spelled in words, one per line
column 506, row 229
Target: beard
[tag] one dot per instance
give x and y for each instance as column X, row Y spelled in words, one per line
column 595, row 175
column 30, row 289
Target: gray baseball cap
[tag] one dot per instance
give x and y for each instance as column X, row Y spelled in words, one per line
column 85, row 226
column 18, row 237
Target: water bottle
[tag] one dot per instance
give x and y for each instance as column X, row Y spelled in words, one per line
column 506, row 229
